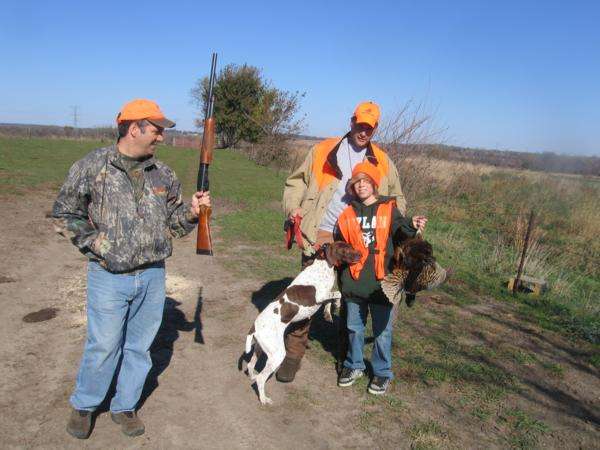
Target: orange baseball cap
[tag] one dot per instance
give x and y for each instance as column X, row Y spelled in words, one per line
column 140, row 109
column 367, row 112
column 364, row 170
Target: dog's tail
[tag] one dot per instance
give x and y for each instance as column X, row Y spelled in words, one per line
column 249, row 339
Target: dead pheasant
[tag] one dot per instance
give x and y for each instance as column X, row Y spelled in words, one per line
column 415, row 269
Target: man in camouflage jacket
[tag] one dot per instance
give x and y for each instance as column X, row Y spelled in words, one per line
column 121, row 207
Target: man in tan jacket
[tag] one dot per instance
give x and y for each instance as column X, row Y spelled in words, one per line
column 316, row 193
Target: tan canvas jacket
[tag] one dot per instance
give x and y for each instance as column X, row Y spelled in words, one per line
column 303, row 189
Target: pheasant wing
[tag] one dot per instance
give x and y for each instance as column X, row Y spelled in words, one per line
column 393, row 286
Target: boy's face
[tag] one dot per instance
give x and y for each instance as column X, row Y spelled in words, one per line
column 364, row 189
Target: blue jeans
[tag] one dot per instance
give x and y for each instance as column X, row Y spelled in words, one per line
column 124, row 313
column 381, row 358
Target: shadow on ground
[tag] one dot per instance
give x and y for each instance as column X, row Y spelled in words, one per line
column 268, row 292
column 161, row 351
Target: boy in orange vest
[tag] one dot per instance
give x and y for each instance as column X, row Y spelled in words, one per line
column 368, row 224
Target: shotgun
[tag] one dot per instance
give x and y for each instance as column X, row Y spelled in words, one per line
column 204, row 240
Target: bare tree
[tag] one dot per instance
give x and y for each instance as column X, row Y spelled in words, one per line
column 404, row 133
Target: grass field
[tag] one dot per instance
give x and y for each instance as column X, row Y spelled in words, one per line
column 456, row 346
column 473, row 224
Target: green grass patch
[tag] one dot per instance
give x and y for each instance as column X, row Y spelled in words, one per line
column 26, row 164
column 524, row 430
column 553, row 369
column 524, row 358
column 473, row 228
column 481, row 413
column 428, row 435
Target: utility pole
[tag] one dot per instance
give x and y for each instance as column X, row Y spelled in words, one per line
column 75, row 114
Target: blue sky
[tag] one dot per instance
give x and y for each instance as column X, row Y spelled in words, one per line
column 515, row 75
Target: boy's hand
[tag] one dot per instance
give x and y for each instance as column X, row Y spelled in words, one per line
column 199, row 199
column 419, row 222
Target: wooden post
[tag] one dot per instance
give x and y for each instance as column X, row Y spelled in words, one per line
column 522, row 262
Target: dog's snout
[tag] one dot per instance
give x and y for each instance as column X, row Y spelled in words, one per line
column 353, row 256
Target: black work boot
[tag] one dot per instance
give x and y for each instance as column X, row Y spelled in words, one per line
column 80, row 423
column 131, row 424
column 287, row 370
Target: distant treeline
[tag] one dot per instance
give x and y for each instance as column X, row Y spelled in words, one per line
column 541, row 162
column 104, row 134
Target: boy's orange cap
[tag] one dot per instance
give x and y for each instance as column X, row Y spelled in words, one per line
column 367, row 112
column 140, row 109
column 359, row 172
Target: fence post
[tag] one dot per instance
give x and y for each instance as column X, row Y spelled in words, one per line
column 522, row 262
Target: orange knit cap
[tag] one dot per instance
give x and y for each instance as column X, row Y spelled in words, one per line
column 364, row 170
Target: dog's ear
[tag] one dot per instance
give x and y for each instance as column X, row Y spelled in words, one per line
column 321, row 253
column 331, row 253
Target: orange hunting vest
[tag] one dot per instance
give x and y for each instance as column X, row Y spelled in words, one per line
column 352, row 233
column 325, row 173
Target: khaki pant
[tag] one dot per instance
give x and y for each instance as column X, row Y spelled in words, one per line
column 296, row 340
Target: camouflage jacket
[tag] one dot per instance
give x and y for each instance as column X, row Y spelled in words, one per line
column 97, row 209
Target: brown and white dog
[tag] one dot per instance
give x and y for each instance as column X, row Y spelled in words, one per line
column 300, row 300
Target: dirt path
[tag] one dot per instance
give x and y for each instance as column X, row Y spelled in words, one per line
column 197, row 398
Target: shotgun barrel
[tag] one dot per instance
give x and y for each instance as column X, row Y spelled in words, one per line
column 204, row 240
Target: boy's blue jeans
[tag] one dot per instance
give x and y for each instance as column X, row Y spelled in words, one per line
column 124, row 313
column 381, row 358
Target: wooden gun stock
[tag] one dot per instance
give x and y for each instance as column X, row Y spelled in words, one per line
column 204, row 239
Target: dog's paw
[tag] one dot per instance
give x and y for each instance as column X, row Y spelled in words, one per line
column 266, row 401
